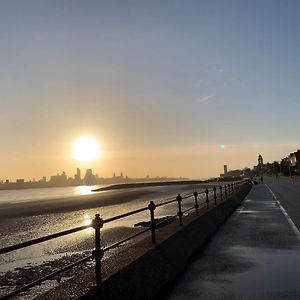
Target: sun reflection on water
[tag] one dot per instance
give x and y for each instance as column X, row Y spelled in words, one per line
column 84, row 190
column 87, row 220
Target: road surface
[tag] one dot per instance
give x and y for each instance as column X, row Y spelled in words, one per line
column 255, row 254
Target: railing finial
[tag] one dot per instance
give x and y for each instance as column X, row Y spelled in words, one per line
column 98, row 252
column 152, row 207
column 180, row 214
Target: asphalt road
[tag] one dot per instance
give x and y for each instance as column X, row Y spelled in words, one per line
column 287, row 191
column 255, row 254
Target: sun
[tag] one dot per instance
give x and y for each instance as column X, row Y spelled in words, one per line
column 86, row 148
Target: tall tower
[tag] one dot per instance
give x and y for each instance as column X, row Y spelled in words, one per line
column 260, row 161
column 78, row 175
column 225, row 169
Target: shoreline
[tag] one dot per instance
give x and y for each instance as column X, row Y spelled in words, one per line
column 108, row 196
column 68, row 204
column 147, row 184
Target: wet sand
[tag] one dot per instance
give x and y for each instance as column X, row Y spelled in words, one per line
column 115, row 195
column 146, row 184
column 100, row 199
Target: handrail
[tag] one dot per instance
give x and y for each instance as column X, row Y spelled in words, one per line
column 188, row 209
column 98, row 223
column 42, row 239
column 165, row 203
column 166, row 220
column 125, row 215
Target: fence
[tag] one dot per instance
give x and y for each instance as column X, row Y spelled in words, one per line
column 221, row 193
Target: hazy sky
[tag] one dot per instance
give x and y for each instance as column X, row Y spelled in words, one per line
column 162, row 84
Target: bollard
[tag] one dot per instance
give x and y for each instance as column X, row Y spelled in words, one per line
column 225, row 187
column 215, row 195
column 98, row 252
column 180, row 214
column 152, row 207
column 207, row 201
column 221, row 194
column 196, row 202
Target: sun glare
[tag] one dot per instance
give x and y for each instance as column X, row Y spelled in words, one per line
column 86, row 149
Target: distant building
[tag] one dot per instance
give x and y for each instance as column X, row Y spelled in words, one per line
column 44, row 179
column 260, row 161
column 234, row 173
column 89, row 178
column 77, row 176
column 225, row 169
column 292, row 162
column 59, row 180
column 294, row 159
column 20, row 181
column 119, row 178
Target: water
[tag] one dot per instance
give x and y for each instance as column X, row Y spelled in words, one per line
column 26, row 195
column 18, row 229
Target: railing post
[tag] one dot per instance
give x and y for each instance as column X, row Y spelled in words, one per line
column 152, row 207
column 207, row 200
column 180, row 214
column 225, row 187
column 215, row 195
column 98, row 252
column 221, row 193
column 196, row 202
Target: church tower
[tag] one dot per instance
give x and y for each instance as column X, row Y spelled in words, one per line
column 260, row 161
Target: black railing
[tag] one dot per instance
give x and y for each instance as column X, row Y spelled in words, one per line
column 98, row 223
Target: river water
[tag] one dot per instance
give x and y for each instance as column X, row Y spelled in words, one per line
column 18, row 229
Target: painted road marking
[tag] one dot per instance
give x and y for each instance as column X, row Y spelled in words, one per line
column 294, row 227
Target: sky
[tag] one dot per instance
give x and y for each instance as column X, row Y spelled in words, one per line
column 160, row 84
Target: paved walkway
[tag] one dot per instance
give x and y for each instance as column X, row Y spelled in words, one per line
column 254, row 255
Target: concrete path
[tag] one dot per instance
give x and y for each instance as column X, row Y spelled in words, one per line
column 254, row 255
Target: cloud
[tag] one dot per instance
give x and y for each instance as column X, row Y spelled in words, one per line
column 206, row 98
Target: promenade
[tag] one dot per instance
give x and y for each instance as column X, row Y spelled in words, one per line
column 255, row 254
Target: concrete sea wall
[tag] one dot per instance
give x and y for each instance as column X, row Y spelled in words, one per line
column 151, row 273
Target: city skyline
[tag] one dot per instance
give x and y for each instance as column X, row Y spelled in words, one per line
column 167, row 88
column 76, row 176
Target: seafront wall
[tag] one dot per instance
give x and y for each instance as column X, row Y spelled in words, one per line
column 148, row 275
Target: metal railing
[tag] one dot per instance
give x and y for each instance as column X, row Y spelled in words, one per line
column 222, row 192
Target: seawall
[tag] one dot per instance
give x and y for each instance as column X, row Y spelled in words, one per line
column 145, row 277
